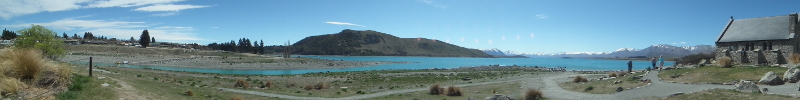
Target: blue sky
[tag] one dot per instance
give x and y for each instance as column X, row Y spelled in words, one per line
column 530, row 26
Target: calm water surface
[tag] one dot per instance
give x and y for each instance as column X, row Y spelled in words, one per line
column 426, row 63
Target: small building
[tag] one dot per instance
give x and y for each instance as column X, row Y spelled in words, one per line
column 764, row 40
column 72, row 42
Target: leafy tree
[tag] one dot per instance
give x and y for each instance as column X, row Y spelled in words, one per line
column 41, row 38
column 65, row 35
column 88, row 35
column 8, row 35
column 153, row 40
column 144, row 39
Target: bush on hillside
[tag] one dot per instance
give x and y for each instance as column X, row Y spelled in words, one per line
column 320, row 86
column 578, row 79
column 724, row 62
column 308, row 87
column 453, row 91
column 533, row 94
column 188, row 93
column 267, row 84
column 694, row 59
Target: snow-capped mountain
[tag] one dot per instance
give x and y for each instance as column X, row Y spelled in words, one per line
column 651, row 51
column 493, row 51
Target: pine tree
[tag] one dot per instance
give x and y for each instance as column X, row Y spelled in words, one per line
column 144, row 39
column 153, row 40
column 65, row 35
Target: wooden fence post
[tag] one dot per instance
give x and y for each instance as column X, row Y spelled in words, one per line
column 90, row 66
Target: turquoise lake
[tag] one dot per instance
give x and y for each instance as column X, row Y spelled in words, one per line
column 427, row 63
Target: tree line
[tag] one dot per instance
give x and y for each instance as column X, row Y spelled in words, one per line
column 243, row 45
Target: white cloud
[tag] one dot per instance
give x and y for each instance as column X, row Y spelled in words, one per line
column 532, row 35
column 14, row 8
column 167, row 14
column 504, row 37
column 490, row 41
column 476, row 41
column 448, row 40
column 430, row 2
column 167, row 7
column 517, row 37
column 343, row 23
column 119, row 29
column 214, row 27
column 128, row 3
column 674, row 43
column 462, row 39
column 541, row 16
column 682, row 42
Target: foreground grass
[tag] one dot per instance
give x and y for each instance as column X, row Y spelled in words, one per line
column 604, row 86
column 86, row 88
column 713, row 74
column 728, row 94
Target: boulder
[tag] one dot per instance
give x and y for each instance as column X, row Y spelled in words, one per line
column 746, row 87
column 498, row 97
column 619, row 89
column 770, row 78
column 792, row 75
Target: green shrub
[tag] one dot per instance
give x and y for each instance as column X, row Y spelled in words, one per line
column 588, row 88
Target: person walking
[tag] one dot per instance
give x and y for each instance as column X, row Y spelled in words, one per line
column 654, row 62
column 630, row 66
column 661, row 60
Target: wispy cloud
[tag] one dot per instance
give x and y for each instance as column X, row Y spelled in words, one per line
column 343, row 23
column 462, row 39
column 541, row 16
column 119, row 29
column 490, row 41
column 432, row 3
column 167, row 7
column 14, row 8
column 517, row 37
column 682, row 42
column 532, row 35
column 504, row 37
column 476, row 41
column 167, row 14
column 214, row 27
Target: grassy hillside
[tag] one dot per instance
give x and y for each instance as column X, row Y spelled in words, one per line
column 372, row 43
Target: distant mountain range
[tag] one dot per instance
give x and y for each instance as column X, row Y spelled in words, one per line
column 373, row 43
column 652, row 51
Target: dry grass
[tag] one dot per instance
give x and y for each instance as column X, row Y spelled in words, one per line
column 9, row 86
column 320, row 86
column 237, row 98
column 308, row 87
column 795, row 58
column 241, row 83
column 621, row 74
column 435, row 90
column 27, row 63
column 453, row 91
column 189, row 93
column 612, row 75
column 578, row 79
column 725, row 62
column 533, row 94
column 267, row 84
column 291, row 85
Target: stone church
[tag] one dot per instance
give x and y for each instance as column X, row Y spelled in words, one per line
column 764, row 40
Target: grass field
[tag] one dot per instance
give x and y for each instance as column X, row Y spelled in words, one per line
column 712, row 74
column 604, row 86
column 728, row 94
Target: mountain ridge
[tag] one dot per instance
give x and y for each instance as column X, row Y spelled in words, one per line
column 372, row 43
column 651, row 51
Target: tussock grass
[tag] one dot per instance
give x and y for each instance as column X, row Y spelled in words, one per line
column 27, row 63
column 188, row 93
column 578, row 79
column 267, row 84
column 10, row 86
column 453, row 91
column 612, row 74
column 308, row 87
column 533, row 94
column 795, row 58
column 320, row 86
column 621, row 74
column 725, row 62
column 435, row 90
column 241, row 83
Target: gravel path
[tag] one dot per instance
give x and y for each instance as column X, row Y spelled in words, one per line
column 549, row 84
